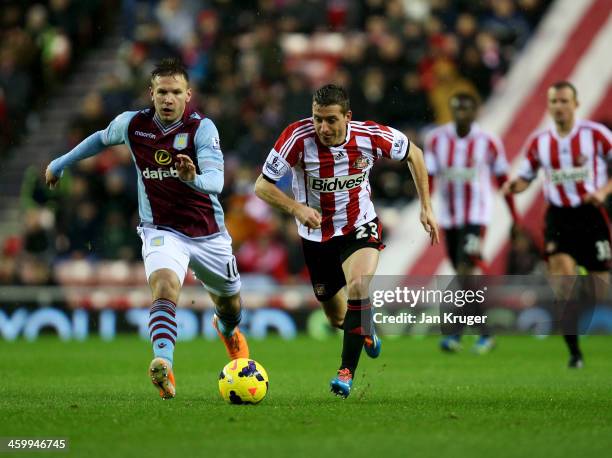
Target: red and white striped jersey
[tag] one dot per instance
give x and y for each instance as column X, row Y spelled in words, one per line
column 463, row 167
column 574, row 166
column 334, row 180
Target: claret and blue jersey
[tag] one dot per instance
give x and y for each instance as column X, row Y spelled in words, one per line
column 191, row 208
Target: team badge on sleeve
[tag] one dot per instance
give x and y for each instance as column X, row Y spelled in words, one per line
column 399, row 148
column 216, row 143
column 180, row 141
column 275, row 167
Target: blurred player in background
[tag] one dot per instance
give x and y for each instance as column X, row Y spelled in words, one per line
column 330, row 156
column 179, row 162
column 462, row 158
column 574, row 154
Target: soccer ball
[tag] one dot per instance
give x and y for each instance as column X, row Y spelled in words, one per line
column 243, row 381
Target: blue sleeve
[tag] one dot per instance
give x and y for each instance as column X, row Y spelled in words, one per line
column 91, row 146
column 114, row 134
column 210, row 159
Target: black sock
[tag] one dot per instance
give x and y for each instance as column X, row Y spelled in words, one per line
column 357, row 325
column 572, row 344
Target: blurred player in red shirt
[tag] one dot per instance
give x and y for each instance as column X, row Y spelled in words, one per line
column 462, row 158
column 574, row 155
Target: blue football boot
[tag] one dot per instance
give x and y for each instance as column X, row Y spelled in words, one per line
column 484, row 345
column 341, row 385
column 372, row 345
column 451, row 344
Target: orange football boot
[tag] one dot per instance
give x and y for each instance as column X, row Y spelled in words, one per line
column 236, row 344
column 163, row 378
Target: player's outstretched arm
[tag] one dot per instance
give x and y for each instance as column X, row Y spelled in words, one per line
column 416, row 164
column 114, row 134
column 269, row 192
column 91, row 146
column 509, row 198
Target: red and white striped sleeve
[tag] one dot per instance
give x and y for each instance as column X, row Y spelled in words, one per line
column 603, row 140
column 389, row 142
column 499, row 161
column 530, row 164
column 287, row 150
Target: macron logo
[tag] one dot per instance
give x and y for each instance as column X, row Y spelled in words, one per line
column 145, row 134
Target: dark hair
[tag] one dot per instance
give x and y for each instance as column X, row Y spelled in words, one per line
column 461, row 96
column 331, row 94
column 169, row 67
column 562, row 84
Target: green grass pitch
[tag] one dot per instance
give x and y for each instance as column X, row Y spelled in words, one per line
column 518, row 401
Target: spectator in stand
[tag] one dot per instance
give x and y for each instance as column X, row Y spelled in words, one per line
column 264, row 255
column 38, row 50
column 8, row 260
column 507, row 24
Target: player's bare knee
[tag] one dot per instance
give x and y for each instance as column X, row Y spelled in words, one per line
column 229, row 303
column 166, row 290
column 165, row 285
column 561, row 264
column 357, row 287
column 335, row 319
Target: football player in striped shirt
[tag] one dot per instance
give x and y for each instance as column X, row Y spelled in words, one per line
column 462, row 158
column 330, row 156
column 574, row 155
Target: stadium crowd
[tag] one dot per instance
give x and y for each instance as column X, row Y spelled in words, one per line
column 40, row 42
column 252, row 66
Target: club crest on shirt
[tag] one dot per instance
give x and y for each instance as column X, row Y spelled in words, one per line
column 180, row 141
column 157, row 241
column 320, row 289
column 361, row 162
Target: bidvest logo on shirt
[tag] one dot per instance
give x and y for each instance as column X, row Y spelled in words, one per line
column 570, row 175
column 336, row 184
column 460, row 174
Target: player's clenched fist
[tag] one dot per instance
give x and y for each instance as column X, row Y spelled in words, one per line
column 50, row 179
column 309, row 217
column 185, row 168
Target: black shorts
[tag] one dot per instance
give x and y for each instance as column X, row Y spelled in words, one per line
column 324, row 259
column 463, row 244
column 582, row 232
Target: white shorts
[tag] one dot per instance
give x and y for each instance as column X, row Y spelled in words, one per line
column 210, row 258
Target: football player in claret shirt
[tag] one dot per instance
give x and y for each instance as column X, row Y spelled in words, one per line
column 461, row 158
column 574, row 154
column 179, row 163
column 330, row 156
